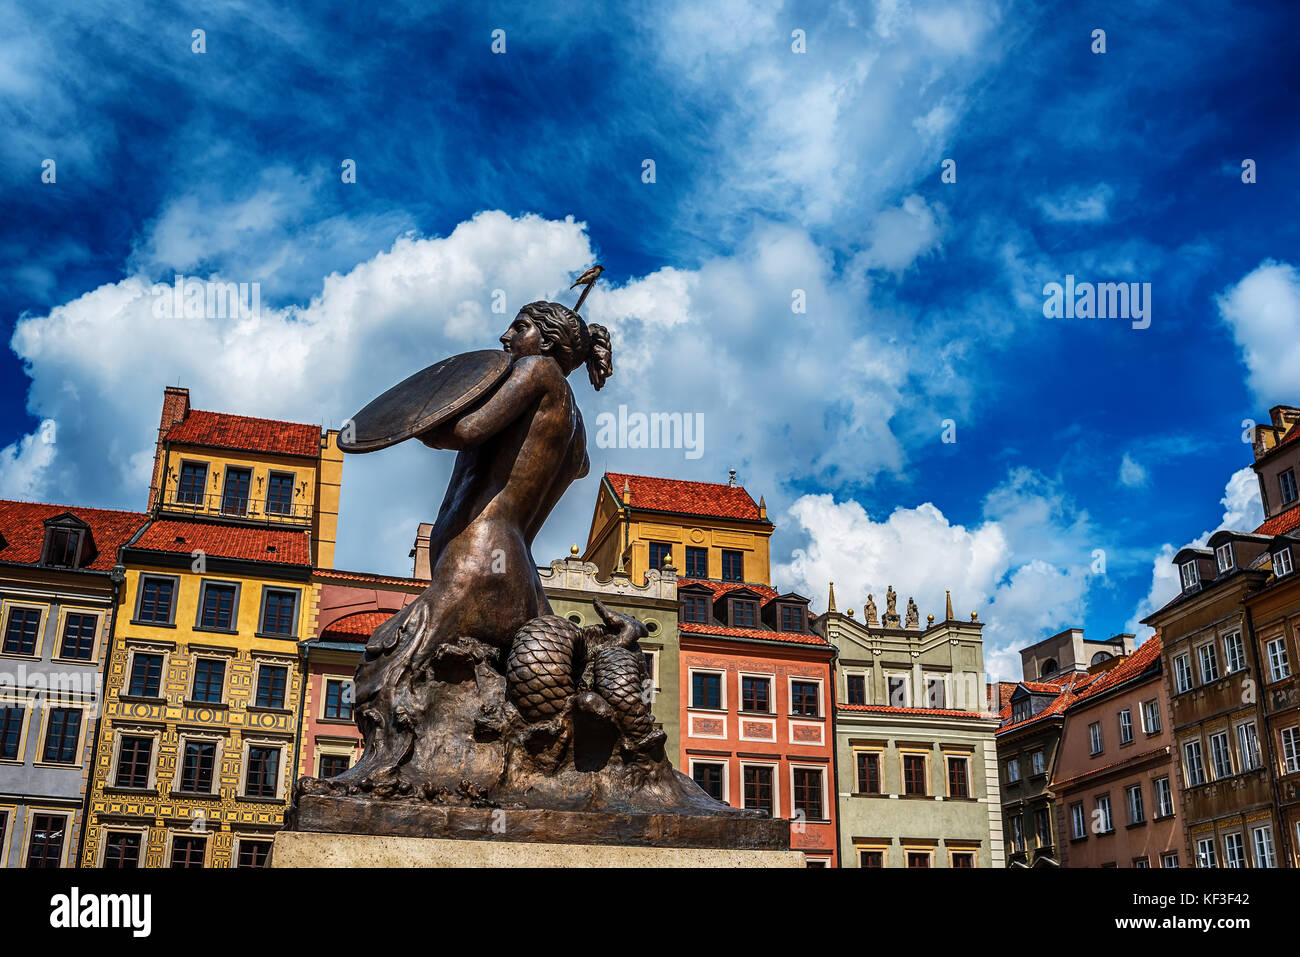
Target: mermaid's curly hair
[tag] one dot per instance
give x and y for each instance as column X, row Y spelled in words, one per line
column 563, row 330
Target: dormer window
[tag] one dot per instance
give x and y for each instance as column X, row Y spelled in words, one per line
column 1019, row 712
column 68, row 543
column 1282, row 562
column 695, row 608
column 1286, row 484
column 192, row 484
column 791, row 618
column 1223, row 556
column 744, row 613
column 1191, row 577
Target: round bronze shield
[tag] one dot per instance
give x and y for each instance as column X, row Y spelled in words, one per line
column 426, row 399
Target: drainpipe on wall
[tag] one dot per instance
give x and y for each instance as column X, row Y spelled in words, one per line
column 1284, row 838
column 835, row 752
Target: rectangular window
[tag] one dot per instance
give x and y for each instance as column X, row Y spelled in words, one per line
column 733, row 566
column 133, row 762
column 1223, row 556
column 1290, row 750
column 1190, row 575
column 11, row 729
column 1209, row 659
column 79, row 633
column 756, row 694
column 1017, row 830
column 1221, row 755
column 61, row 548
column 1094, row 738
column 914, row 774
column 695, row 608
column 1104, row 820
column 122, row 850
column 1013, row 770
column 1205, row 854
column 218, row 609
column 157, row 600
column 1234, row 652
column 897, row 691
column 332, row 765
column 234, row 493
column 1193, row 763
column 209, row 680
column 1043, row 826
column 146, row 675
column 1183, row 673
column 1286, row 484
column 254, row 853
column 934, row 692
column 758, row 789
column 1262, row 840
column 869, row 772
column 963, row 859
column 1137, row 813
column 706, row 690
column 958, row 777
column 1279, row 665
column 197, row 765
column 1248, row 746
column 805, row 698
column 660, row 554
column 1141, row 862
column 279, row 493
column 45, row 846
column 263, row 772
column 918, row 859
column 271, row 683
column 1164, row 797
column 1038, row 763
column 697, row 562
column 1125, row 726
column 21, row 631
column 744, row 614
column 1169, row 860
column 1282, row 562
column 808, row 793
column 708, row 776
column 791, row 618
column 1151, row 716
column 1078, row 822
column 278, row 612
column 62, row 735
column 338, row 699
column 871, row 859
column 856, row 688
column 193, row 482
column 187, row 850
column 1234, row 850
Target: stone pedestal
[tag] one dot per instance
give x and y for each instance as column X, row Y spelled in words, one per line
column 322, row 849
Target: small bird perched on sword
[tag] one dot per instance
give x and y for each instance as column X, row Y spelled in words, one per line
column 587, row 280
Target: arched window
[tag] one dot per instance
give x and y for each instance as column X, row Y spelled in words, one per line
column 1049, row 667
column 1099, row 657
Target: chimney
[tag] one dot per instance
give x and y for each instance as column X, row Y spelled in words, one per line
column 175, row 408
column 420, row 551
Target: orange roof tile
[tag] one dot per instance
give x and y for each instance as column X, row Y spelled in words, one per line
column 1132, row 666
column 706, row 499
column 239, row 542
column 726, row 631
column 722, row 588
column 890, row 709
column 223, row 431
column 1282, row 522
column 356, row 627
column 369, row 579
column 22, row 526
column 1065, row 691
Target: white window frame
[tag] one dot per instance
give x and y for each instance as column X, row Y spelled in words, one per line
column 1096, row 739
column 1206, row 853
column 134, row 649
column 906, row 678
column 1191, row 575
column 775, row 768
column 1078, row 821
column 1279, row 662
column 1286, row 481
column 726, row 773
column 789, row 696
column 1038, row 763
column 942, row 682
column 1263, row 849
column 1207, row 653
column 722, row 689
column 1248, row 753
column 1125, row 726
column 1137, row 811
column 1151, row 716
column 1224, row 753
column 1282, row 565
column 1103, row 805
column 1234, row 850
column 1167, row 857
column 822, row 771
column 1223, row 557
column 1183, row 673
column 1234, row 662
column 1013, row 765
column 1291, row 749
column 1164, row 796
column 1198, row 764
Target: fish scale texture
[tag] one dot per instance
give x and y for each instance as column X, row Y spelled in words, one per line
column 539, row 668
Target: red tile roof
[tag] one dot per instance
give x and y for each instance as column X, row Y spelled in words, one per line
column 890, row 709
column 356, row 627
column 1064, row 687
column 223, row 431
column 1132, row 666
column 726, row 631
column 706, row 499
column 722, row 588
column 22, row 526
column 369, row 579
column 227, row 541
column 1282, row 522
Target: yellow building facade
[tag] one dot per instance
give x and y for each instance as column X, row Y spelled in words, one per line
column 705, row 529
column 196, row 751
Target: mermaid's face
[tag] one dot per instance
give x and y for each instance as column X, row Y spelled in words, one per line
column 522, row 338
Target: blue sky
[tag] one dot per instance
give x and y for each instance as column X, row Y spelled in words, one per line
column 774, row 171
